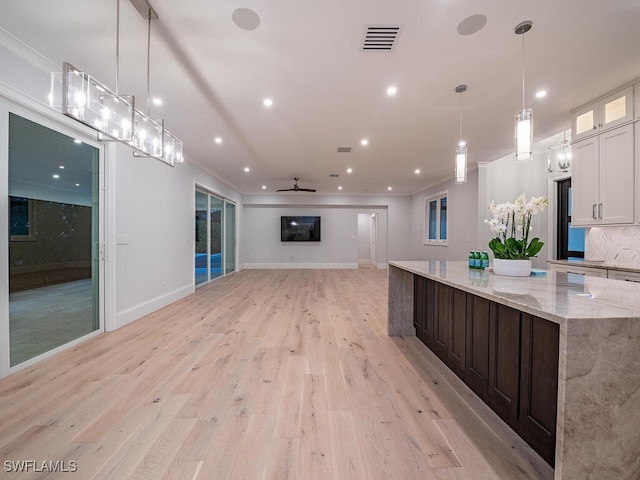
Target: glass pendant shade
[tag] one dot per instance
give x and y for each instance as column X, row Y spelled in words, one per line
column 90, row 102
column 524, row 134
column 148, row 137
column 172, row 149
column 461, row 164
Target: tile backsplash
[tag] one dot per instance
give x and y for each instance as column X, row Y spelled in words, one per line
column 619, row 246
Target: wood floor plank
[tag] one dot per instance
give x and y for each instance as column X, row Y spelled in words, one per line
column 346, row 457
column 250, row 460
column 289, row 416
column 123, row 463
column 315, row 442
column 275, row 374
column 158, row 459
column 181, row 470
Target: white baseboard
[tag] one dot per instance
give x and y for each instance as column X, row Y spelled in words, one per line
column 383, row 266
column 124, row 317
column 281, row 266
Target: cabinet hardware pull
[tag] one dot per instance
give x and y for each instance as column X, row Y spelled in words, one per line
column 600, row 211
column 593, row 212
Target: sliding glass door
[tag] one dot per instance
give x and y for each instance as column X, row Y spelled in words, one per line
column 53, row 226
column 215, row 233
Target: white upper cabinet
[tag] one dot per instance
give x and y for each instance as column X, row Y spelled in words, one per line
column 603, row 180
column 609, row 112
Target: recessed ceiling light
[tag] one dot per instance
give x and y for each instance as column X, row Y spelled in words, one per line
column 264, row 187
column 267, row 102
column 55, row 175
column 392, row 90
column 61, row 167
column 389, row 188
column 218, row 140
column 77, row 141
column 77, row 184
column 364, row 142
column 247, row 169
column 157, row 101
column 417, row 171
column 349, row 170
column 340, row 187
column 541, row 94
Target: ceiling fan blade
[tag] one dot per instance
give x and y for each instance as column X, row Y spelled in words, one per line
column 306, row 189
column 285, row 190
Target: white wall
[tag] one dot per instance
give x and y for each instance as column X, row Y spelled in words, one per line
column 504, row 179
column 261, row 246
column 154, row 230
column 462, row 221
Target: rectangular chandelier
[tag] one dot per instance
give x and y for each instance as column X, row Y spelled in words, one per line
column 81, row 97
column 90, row 102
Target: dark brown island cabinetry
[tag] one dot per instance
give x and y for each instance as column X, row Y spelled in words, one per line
column 509, row 358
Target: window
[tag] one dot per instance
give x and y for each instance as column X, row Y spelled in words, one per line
column 435, row 219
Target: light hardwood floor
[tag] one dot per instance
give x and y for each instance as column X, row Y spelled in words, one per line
column 276, row 374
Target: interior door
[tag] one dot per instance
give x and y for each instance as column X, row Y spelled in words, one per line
column 373, row 238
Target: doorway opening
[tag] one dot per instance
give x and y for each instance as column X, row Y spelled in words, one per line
column 570, row 240
column 367, row 239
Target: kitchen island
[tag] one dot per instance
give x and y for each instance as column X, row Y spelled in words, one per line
column 556, row 356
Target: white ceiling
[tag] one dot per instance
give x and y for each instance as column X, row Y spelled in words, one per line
column 329, row 93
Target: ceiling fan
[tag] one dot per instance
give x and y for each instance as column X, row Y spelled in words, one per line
column 296, row 188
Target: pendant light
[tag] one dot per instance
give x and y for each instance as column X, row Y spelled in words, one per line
column 461, row 150
column 524, row 118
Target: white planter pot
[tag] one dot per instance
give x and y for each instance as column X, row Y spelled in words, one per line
column 512, row 268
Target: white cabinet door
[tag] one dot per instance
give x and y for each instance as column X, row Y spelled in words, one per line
column 609, row 112
column 584, row 182
column 616, row 109
column 584, row 122
column 617, row 176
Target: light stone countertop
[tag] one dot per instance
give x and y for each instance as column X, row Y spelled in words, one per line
column 556, row 296
column 594, row 264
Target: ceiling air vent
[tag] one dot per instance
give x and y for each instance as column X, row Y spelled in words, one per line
column 344, row 149
column 334, row 175
column 380, row 37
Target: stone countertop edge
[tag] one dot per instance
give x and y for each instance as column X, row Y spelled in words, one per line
column 594, row 264
column 553, row 296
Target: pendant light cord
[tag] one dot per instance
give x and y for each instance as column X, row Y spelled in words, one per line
column 117, row 43
column 523, row 71
column 148, row 62
column 460, row 116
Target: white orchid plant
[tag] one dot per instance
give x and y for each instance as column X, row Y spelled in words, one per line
column 511, row 224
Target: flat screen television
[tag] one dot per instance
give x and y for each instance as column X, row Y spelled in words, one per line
column 300, row 229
